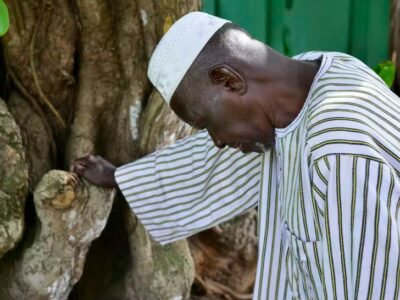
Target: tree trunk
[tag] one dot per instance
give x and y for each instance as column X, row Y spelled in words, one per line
column 75, row 84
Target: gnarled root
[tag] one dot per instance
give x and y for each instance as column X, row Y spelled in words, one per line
column 71, row 213
column 13, row 181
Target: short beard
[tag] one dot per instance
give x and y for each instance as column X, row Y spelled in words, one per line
column 262, row 147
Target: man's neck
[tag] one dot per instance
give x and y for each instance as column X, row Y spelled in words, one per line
column 292, row 91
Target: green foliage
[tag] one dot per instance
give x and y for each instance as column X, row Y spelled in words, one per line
column 387, row 71
column 4, row 18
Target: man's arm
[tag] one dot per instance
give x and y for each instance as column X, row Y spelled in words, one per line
column 189, row 186
column 361, row 241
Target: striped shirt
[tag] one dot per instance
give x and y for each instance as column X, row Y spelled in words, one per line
column 328, row 194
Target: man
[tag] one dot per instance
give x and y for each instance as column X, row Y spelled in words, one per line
column 323, row 141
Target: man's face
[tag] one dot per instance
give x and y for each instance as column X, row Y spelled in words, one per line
column 230, row 119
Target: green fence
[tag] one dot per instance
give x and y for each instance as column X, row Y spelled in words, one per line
column 357, row 27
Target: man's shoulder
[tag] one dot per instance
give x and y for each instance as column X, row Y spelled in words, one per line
column 340, row 61
column 348, row 84
column 353, row 125
column 311, row 55
column 352, row 111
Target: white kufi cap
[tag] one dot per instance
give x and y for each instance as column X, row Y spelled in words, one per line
column 178, row 49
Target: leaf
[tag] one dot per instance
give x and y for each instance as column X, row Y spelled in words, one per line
column 4, row 18
column 387, row 71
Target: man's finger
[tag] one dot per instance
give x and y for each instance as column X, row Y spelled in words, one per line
column 84, row 161
column 79, row 169
column 87, row 161
column 93, row 159
column 74, row 179
column 81, row 160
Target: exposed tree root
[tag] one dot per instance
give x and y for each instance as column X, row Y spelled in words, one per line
column 42, row 96
column 37, row 109
column 13, row 182
column 214, row 287
column 72, row 214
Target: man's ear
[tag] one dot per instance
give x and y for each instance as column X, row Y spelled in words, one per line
column 228, row 77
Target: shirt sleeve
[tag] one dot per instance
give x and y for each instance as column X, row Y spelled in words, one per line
column 190, row 186
column 361, row 228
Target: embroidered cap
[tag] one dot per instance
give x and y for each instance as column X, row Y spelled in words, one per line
column 178, row 49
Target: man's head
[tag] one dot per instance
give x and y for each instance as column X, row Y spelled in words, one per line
column 220, row 90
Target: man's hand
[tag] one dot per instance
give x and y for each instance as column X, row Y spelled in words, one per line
column 96, row 170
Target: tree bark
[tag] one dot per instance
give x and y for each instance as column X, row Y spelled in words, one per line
column 47, row 265
column 13, row 182
column 77, row 85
